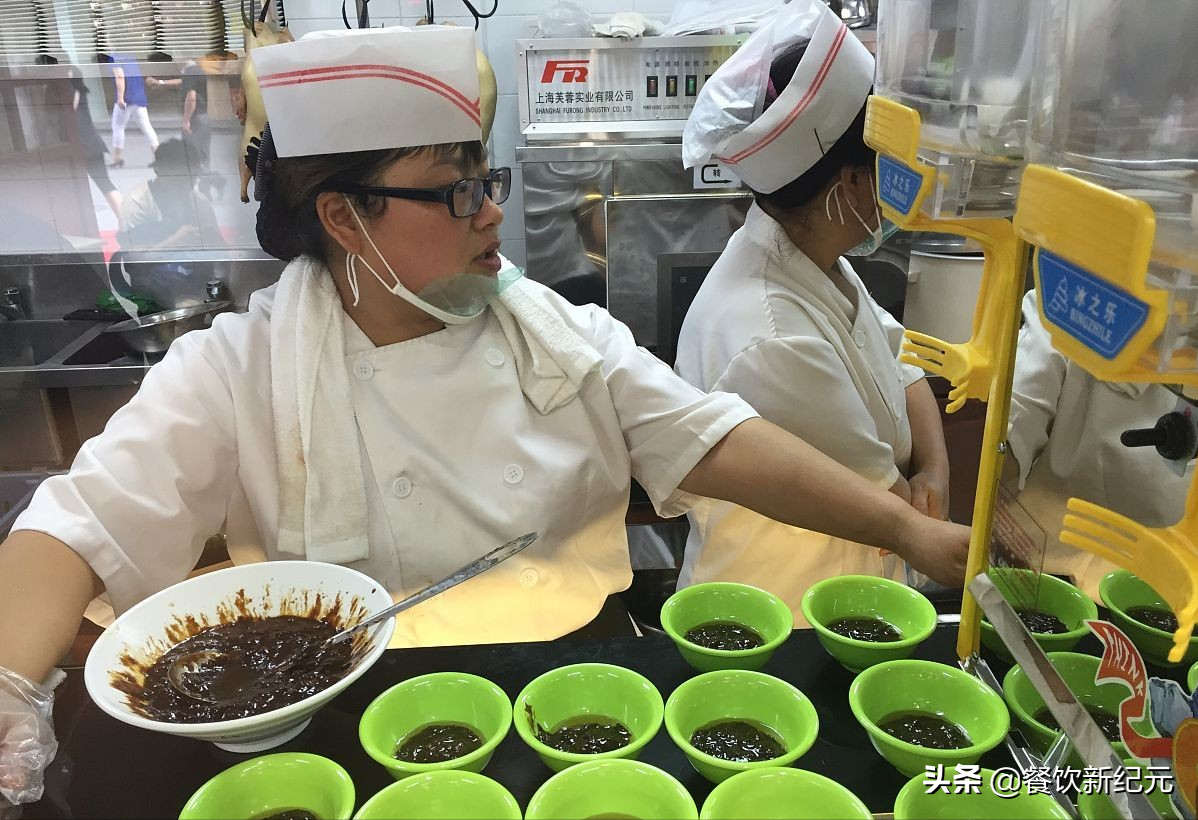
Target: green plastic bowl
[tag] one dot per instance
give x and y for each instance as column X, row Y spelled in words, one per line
column 589, row 689
column 914, row 803
column 864, row 596
column 442, row 697
column 933, row 688
column 738, row 694
column 1120, row 590
column 1052, row 597
column 1078, row 672
column 447, row 794
column 271, row 784
column 611, row 788
column 1099, row 807
column 722, row 601
column 782, row 794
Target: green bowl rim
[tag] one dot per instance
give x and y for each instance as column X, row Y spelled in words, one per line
column 1072, row 634
column 788, row 772
column 442, row 774
column 393, row 763
column 688, row 591
column 574, row 757
column 345, row 783
column 912, row 640
column 617, row 762
column 804, row 746
column 1015, row 671
column 1103, row 587
column 871, row 728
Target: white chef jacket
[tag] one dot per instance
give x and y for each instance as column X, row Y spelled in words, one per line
column 1064, row 432
column 455, row 462
column 771, row 326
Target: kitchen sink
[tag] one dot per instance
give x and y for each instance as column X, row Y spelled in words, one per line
column 29, row 342
column 101, row 349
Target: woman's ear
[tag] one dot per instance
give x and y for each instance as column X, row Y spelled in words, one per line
column 858, row 183
column 337, row 217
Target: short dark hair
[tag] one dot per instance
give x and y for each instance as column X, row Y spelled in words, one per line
column 288, row 225
column 849, row 150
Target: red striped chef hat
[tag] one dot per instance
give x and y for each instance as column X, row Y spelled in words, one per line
column 365, row 89
column 771, row 148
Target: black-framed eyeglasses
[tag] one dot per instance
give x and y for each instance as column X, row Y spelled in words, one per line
column 463, row 198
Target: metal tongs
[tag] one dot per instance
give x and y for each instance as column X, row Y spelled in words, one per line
column 1076, row 723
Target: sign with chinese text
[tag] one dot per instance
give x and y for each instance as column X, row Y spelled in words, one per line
column 1101, row 316
column 655, row 78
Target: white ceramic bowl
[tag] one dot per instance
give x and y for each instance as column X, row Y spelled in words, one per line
column 270, row 588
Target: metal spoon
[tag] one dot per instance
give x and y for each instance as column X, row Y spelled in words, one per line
column 237, row 678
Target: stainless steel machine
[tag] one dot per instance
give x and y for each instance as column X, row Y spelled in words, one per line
column 605, row 193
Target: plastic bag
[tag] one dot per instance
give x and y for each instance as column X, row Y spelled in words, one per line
column 564, row 19
column 720, row 16
column 27, row 743
column 724, row 108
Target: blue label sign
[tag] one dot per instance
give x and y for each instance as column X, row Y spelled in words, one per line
column 898, row 185
column 1097, row 314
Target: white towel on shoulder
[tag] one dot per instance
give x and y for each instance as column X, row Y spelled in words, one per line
column 322, row 499
column 551, row 358
column 322, row 496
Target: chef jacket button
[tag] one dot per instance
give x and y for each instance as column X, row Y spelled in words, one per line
column 859, row 338
column 529, row 578
column 513, row 474
column 495, row 357
column 364, row 370
column 402, row 487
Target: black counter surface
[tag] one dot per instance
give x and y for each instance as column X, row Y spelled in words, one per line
column 106, row 768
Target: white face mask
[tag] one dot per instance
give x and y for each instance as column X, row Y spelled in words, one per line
column 877, row 236
column 454, row 300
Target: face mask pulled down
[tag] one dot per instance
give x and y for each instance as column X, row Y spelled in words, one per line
column 454, row 300
column 877, row 236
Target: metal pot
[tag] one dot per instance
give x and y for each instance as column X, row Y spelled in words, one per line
column 151, row 335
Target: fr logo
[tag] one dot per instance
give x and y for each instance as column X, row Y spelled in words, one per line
column 571, row 71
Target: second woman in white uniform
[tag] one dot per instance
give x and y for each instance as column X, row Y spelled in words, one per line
column 1064, row 436
column 388, row 408
column 784, row 321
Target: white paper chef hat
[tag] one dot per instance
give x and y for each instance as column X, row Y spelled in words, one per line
column 771, row 148
column 332, row 92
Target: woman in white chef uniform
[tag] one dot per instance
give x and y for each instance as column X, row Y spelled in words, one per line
column 783, row 320
column 385, row 407
column 1064, row 443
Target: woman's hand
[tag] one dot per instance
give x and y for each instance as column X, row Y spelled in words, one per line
column 929, row 493
column 936, row 548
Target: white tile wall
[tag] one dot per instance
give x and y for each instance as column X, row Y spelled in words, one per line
column 497, row 36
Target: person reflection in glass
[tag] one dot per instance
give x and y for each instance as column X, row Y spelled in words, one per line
column 169, row 211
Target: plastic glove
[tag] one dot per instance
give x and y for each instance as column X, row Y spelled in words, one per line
column 27, row 743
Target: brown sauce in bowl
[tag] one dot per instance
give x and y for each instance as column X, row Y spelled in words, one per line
column 243, row 679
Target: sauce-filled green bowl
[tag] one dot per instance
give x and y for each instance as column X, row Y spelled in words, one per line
column 1120, row 591
column 612, row 788
column 933, row 689
column 440, row 697
column 765, row 613
column 1047, row 594
column 914, row 802
column 272, row 784
column 782, row 794
column 588, row 689
column 740, row 695
column 447, row 794
column 865, row 596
